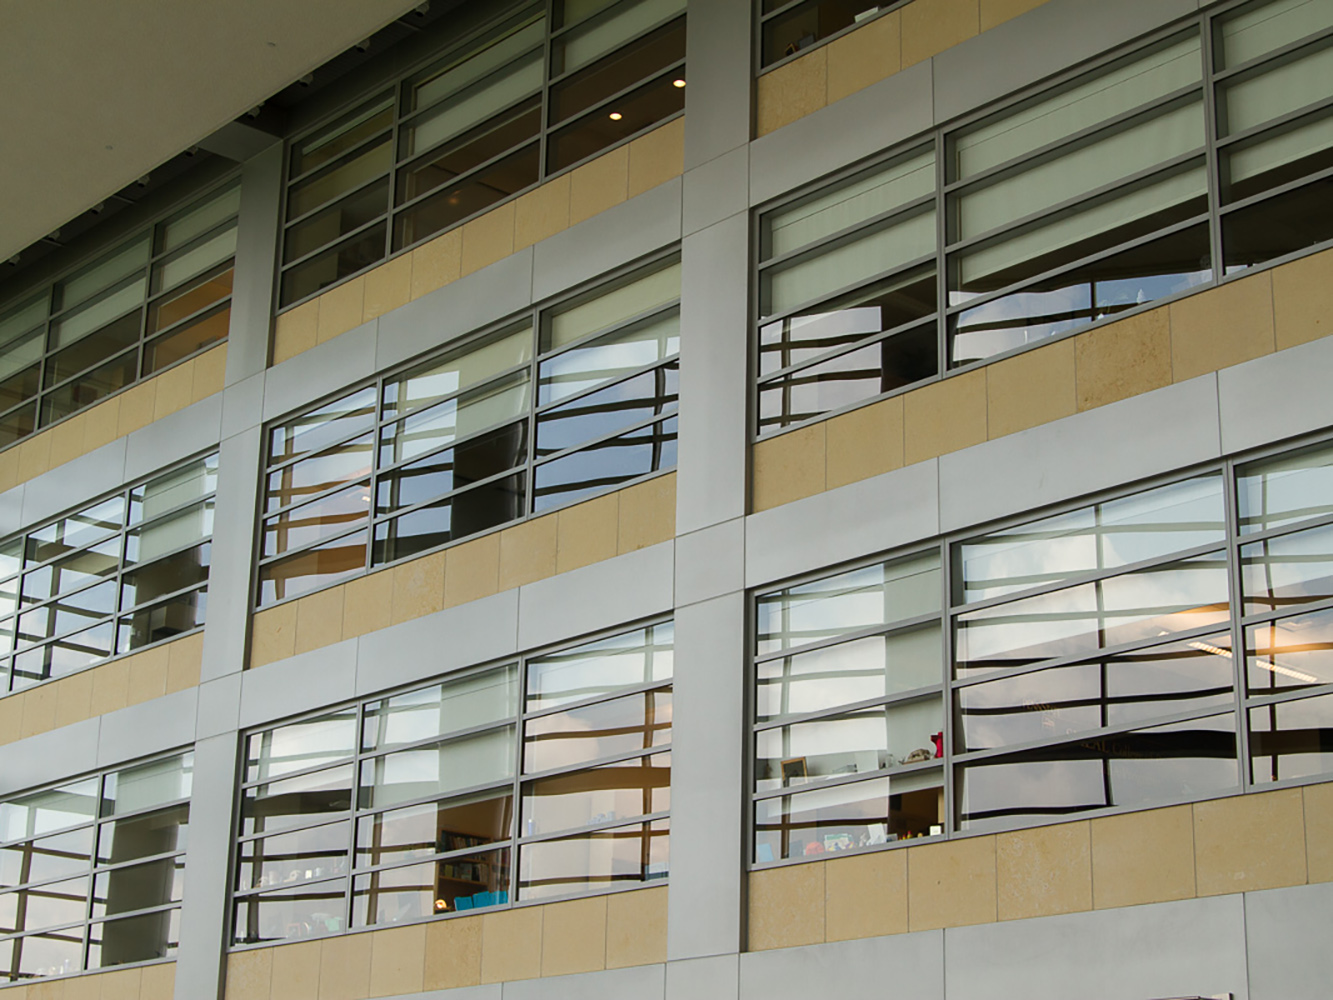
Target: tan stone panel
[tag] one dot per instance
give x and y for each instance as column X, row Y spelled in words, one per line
column 1143, row 857
column 864, row 442
column 175, row 389
column 598, row 185
column 34, row 456
column 1303, row 300
column 67, row 439
column 437, row 263
column 111, row 686
column 657, row 157
column 995, row 12
column 474, row 570
column 102, row 424
column 210, row 371
column 296, row 331
column 865, row 896
column 9, row 468
column 527, row 552
column 123, row 985
column 11, row 718
column 85, row 987
column 136, row 407
column 574, row 936
column 296, row 971
column 418, row 587
column 18, row 993
column 787, row 906
column 1123, row 359
column 1030, row 389
column 74, row 698
column 865, row 56
column 249, row 974
column 788, row 467
column 1318, row 807
column 511, row 945
column 931, row 26
column 951, row 884
column 319, row 619
column 148, row 674
column 945, row 416
column 647, row 514
column 453, row 953
column 792, row 91
column 45, row 991
column 398, row 961
column 39, row 710
column 488, row 238
column 185, row 658
column 340, row 308
column 273, row 634
column 1044, row 871
column 344, row 968
column 1249, row 842
column 387, row 287
column 588, row 532
column 636, row 928
column 542, row 212
column 367, row 604
column 1222, row 327
column 159, row 982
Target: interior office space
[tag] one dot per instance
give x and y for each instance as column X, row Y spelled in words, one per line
column 613, row 498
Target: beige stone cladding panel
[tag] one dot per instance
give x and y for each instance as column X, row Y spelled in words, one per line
column 1222, row 326
column 587, row 532
column 340, row 309
column 657, row 157
column 787, row 906
column 791, row 91
column 867, row 55
column 488, row 238
column 1250, row 842
column 453, row 953
column 865, row 896
column 598, row 185
column 788, row 467
column 1143, row 857
column 931, row 26
column 864, row 442
column 951, row 884
column 574, row 936
column 387, row 287
column 647, row 514
column 1030, row 389
column 636, row 928
column 1123, row 359
column 945, row 416
column 1044, row 871
column 1303, row 300
column 511, row 945
column 1318, row 806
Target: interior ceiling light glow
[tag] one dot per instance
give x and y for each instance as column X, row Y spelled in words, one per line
column 616, row 116
column 677, row 83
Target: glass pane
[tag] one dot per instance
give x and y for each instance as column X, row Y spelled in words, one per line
column 77, row 324
column 199, row 218
column 76, row 570
column 331, row 515
column 460, row 370
column 73, row 611
column 292, row 914
column 607, row 309
column 604, row 465
column 862, row 598
column 1280, row 573
column 1293, row 739
column 843, row 818
column 1285, row 87
column 92, row 348
column 166, row 576
column 299, row 745
column 1145, row 767
column 608, row 357
column 189, row 482
column 1129, row 608
column 46, row 858
column 146, row 785
column 636, row 787
column 1278, row 156
column 292, row 801
column 1280, row 225
column 161, row 832
column 19, row 373
column 441, row 709
column 435, row 828
column 801, row 26
column 157, row 622
column 1290, row 652
column 210, row 253
column 337, row 220
column 569, row 738
column 601, row 667
column 1264, row 27
column 45, row 906
column 480, row 458
column 348, row 131
column 339, row 261
column 608, row 410
column 461, row 199
column 462, row 514
column 581, row 46
column 411, row 893
column 319, row 428
column 137, row 887
column 854, row 671
column 1104, row 536
column 54, row 954
column 1129, row 687
column 314, row 853
column 464, row 153
column 20, row 320
column 187, row 340
column 70, row 654
column 599, row 860
column 119, row 263
column 314, row 475
column 619, row 69
column 54, row 809
column 438, row 769
column 597, row 130
column 349, row 173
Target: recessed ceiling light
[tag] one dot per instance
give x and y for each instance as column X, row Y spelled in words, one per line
column 616, row 116
column 677, row 83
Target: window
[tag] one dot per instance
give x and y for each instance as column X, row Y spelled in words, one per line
column 1165, row 646
column 155, row 299
column 1063, row 208
column 791, row 26
column 543, row 778
column 91, row 872
column 514, row 104
column 120, row 574
column 558, row 405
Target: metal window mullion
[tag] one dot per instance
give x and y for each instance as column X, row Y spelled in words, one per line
column 1213, row 160
column 520, row 736
column 538, row 317
column 948, row 825
column 543, row 140
column 942, row 275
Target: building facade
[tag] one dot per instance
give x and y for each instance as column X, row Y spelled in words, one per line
column 927, row 400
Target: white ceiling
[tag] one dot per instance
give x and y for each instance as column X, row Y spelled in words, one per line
column 96, row 93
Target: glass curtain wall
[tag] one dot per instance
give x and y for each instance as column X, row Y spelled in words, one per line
column 546, row 86
column 91, row 872
column 788, row 27
column 554, row 407
column 542, row 778
column 118, row 575
column 155, row 299
column 1202, row 153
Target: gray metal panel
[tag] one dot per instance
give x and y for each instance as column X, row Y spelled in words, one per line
column 459, row 308
column 256, row 263
column 448, row 640
column 707, row 780
column 186, row 432
column 605, row 594
column 1277, row 396
column 302, row 683
column 717, row 978
column 50, row 757
column 148, row 728
column 74, row 483
column 1190, row 948
column 227, row 628
column 609, row 239
column 886, row 511
column 710, row 478
column 716, row 190
column 1051, row 38
column 904, row 965
column 1111, row 446
column 219, row 706
column 718, row 44
column 643, row 982
column 320, row 371
column 1287, row 942
column 243, row 405
column 860, row 125
column 199, row 966
column 710, row 562
column 11, row 509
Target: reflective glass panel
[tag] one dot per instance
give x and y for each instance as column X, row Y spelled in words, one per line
column 311, row 854
column 598, row 860
column 622, row 725
column 1285, row 490
column 1290, row 652
column 41, row 812
column 1292, row 739
column 292, row 801
column 472, row 701
column 438, row 769
column 300, row 745
column 455, row 824
column 642, row 656
column 1283, row 572
column 138, row 887
column 636, row 787
column 316, row 910
column 46, row 858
